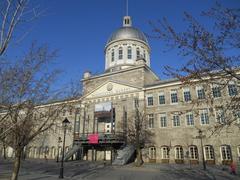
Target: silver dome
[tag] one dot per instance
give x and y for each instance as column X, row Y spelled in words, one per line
column 127, row 33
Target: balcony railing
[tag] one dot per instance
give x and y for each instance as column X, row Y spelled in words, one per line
column 103, row 138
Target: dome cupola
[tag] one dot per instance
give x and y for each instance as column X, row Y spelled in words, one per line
column 125, row 47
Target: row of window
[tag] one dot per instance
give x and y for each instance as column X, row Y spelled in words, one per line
column 189, row 118
column 216, row 93
column 63, row 112
column 129, row 53
column 58, row 129
column 67, row 112
column 192, row 152
column 45, row 152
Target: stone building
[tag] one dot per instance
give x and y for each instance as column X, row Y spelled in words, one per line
column 168, row 105
column 101, row 115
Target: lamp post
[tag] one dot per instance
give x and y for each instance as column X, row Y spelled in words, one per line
column 105, row 142
column 59, row 141
column 65, row 124
column 201, row 136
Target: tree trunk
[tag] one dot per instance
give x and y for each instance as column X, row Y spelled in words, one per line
column 4, row 151
column 16, row 166
column 139, row 157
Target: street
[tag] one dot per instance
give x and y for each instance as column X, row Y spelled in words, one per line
column 49, row 170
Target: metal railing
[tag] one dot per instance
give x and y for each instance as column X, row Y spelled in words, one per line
column 103, row 137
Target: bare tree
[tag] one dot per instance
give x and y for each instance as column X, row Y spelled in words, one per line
column 138, row 134
column 13, row 15
column 24, row 86
column 210, row 57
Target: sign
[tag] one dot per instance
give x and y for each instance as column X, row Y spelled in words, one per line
column 93, row 138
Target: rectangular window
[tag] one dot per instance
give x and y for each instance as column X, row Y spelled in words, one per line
column 216, row 90
column 70, row 112
column 163, row 120
column 152, row 153
column 151, row 120
column 112, row 55
column 150, row 100
column 204, row 116
column 165, row 152
column 138, row 53
column 232, row 89
column 174, row 98
column 136, row 103
column 161, row 98
column 193, row 152
column 178, row 152
column 129, row 52
column 120, row 53
column 220, row 116
column 226, row 153
column 189, row 119
column 187, row 95
column 237, row 117
column 64, row 112
column 176, row 120
column 200, row 92
column 209, row 153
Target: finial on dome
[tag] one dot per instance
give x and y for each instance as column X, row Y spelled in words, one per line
column 127, row 22
column 126, row 7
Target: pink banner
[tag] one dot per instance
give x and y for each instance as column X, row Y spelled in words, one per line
column 93, row 138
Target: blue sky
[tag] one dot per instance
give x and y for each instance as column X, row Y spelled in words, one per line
column 80, row 29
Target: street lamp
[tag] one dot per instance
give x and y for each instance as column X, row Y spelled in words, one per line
column 65, row 125
column 105, row 144
column 201, row 136
column 59, row 141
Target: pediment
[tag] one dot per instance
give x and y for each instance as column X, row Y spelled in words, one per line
column 111, row 88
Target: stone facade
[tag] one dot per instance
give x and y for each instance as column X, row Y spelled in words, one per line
column 171, row 142
column 172, row 114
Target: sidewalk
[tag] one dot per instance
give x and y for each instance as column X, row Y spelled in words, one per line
column 212, row 171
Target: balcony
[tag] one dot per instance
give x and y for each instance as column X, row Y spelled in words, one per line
column 101, row 139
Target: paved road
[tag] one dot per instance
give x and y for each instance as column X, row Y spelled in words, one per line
column 83, row 170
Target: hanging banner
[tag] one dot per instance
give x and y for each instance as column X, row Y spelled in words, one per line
column 103, row 111
column 93, row 138
column 106, row 106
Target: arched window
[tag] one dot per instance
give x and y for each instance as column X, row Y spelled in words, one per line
column 178, row 152
column 53, row 152
column 193, row 152
column 46, row 151
column 35, row 152
column 60, row 150
column 30, row 151
column 144, row 54
column 138, row 53
column 129, row 52
column 120, row 53
column 41, row 152
column 152, row 152
column 112, row 55
column 165, row 152
column 226, row 152
column 209, row 152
